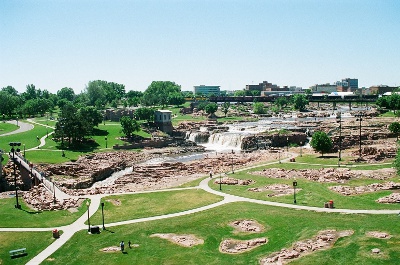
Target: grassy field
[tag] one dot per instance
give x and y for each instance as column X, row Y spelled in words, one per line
column 26, row 217
column 7, row 127
column 283, row 227
column 34, row 242
column 134, row 206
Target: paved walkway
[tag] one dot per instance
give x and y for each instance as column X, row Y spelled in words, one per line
column 79, row 224
column 23, row 127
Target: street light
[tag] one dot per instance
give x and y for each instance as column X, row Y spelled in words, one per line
column 287, row 144
column 339, row 119
column 1, row 165
column 13, row 145
column 220, row 180
column 279, row 154
column 62, row 141
column 17, row 120
column 294, row 190
column 359, row 118
column 102, row 214
column 301, row 149
column 106, row 141
column 88, row 218
column 24, row 150
column 233, row 172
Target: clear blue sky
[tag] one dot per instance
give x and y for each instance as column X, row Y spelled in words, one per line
column 67, row 43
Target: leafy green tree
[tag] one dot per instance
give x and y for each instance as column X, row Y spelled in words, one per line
column 202, row 105
column 8, row 103
column 30, row 93
column 144, row 114
column 255, row 93
column 394, row 127
column 258, row 108
column 321, row 142
column 281, row 102
column 394, row 102
column 66, row 93
column 300, row 102
column 129, row 126
column 225, row 107
column 158, row 91
column 382, row 102
column 240, row 93
column 10, row 90
column 396, row 162
column 176, row 98
column 211, row 108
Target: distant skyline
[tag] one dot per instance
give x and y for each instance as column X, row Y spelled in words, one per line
column 67, row 43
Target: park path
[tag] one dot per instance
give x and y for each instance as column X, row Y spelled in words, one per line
column 23, row 127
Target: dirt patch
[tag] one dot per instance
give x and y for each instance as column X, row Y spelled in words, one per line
column 247, row 226
column 182, row 240
column 111, row 249
column 115, row 202
column 377, row 234
column 233, row 246
column 327, row 175
column 324, row 240
column 276, row 190
column 392, row 198
column 347, row 190
column 232, row 181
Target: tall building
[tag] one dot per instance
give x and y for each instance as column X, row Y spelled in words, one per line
column 207, row 90
column 347, row 85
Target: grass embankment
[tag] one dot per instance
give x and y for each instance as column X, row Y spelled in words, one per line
column 283, row 228
column 27, row 217
column 34, row 242
column 133, row 206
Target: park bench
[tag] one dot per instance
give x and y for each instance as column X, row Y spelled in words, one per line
column 18, row 252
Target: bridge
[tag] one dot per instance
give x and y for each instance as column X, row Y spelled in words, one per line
column 32, row 177
column 327, row 98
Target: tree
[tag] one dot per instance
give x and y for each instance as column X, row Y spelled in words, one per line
column 211, row 108
column 321, row 142
column 394, row 102
column 96, row 93
column 395, row 128
column 176, row 98
column 240, row 93
column 144, row 114
column 281, row 102
column 225, row 107
column 300, row 102
column 258, row 108
column 129, row 126
column 158, row 91
column 66, row 93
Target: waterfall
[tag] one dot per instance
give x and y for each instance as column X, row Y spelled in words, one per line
column 225, row 141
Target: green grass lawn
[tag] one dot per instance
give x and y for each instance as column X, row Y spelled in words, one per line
column 134, row 206
column 283, row 227
column 26, row 217
column 308, row 193
column 34, row 242
column 7, row 127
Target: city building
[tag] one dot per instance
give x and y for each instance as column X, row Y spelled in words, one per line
column 207, row 90
column 381, row 89
column 163, row 120
column 347, row 85
column 324, row 88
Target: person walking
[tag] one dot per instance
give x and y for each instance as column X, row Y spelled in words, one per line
column 122, row 245
column 129, row 244
column 211, row 173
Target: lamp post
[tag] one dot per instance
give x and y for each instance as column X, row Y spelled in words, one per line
column 287, row 144
column 102, row 214
column 220, row 181
column 24, row 150
column 339, row 119
column 279, row 154
column 106, row 141
column 1, row 165
column 233, row 172
column 294, row 190
column 301, row 149
column 359, row 118
column 16, row 120
column 62, row 141
column 13, row 145
column 88, row 218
